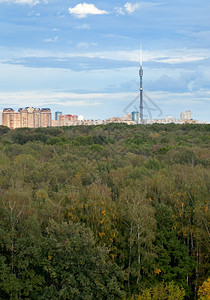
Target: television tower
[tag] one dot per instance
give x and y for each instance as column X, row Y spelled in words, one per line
column 141, row 86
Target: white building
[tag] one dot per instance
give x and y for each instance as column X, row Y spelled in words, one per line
column 170, row 119
column 186, row 116
column 81, row 118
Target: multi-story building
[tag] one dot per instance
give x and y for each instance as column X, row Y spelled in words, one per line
column 66, row 120
column 127, row 117
column 135, row 116
column 186, row 116
column 46, row 118
column 57, row 114
column 10, row 118
column 26, row 117
column 1, row 112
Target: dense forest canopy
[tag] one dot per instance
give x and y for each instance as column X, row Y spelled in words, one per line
column 105, row 212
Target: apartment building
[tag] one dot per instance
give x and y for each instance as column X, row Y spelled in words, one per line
column 27, row 117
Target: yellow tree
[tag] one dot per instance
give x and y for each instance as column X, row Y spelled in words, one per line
column 204, row 290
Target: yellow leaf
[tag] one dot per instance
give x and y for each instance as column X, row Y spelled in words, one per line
column 157, row 271
column 101, row 234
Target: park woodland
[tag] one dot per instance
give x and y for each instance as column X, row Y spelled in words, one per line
column 105, row 212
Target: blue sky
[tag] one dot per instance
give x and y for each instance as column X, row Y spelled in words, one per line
column 83, row 57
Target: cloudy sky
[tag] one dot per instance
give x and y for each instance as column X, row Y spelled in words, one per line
column 83, row 57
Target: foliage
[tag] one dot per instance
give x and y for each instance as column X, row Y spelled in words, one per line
column 104, row 212
column 204, row 290
column 162, row 291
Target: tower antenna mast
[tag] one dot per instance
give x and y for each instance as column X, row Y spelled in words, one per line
column 141, row 86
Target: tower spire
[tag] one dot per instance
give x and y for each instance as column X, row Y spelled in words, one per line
column 140, row 55
column 141, row 86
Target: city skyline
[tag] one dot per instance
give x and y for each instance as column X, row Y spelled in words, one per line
column 83, row 58
column 32, row 117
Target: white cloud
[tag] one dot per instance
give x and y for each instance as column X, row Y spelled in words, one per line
column 170, row 56
column 203, row 35
column 47, row 98
column 82, row 10
column 86, row 45
column 54, row 40
column 83, row 26
column 130, row 8
column 29, row 2
column 115, row 36
column 119, row 11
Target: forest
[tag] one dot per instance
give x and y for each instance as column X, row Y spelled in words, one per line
column 105, row 212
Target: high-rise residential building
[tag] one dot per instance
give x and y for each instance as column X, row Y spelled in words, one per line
column 46, row 118
column 26, row 117
column 10, row 118
column 135, row 116
column 189, row 114
column 186, row 116
column 57, row 114
column 1, row 112
column 37, row 118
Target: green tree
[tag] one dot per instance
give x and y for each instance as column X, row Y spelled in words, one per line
column 75, row 268
column 136, row 236
column 173, row 261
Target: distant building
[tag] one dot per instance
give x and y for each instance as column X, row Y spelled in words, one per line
column 1, row 112
column 10, row 118
column 46, row 117
column 57, row 114
column 127, row 117
column 80, row 118
column 26, row 117
column 135, row 116
column 67, row 120
column 55, row 123
column 186, row 116
column 170, row 119
column 113, row 120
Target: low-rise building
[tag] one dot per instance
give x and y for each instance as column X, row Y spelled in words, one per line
column 67, row 120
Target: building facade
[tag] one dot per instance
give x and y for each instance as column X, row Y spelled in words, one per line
column 10, row 118
column 66, row 120
column 135, row 116
column 1, row 113
column 57, row 114
column 186, row 116
column 27, row 117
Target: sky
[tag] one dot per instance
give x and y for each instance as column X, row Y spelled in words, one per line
column 83, row 57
